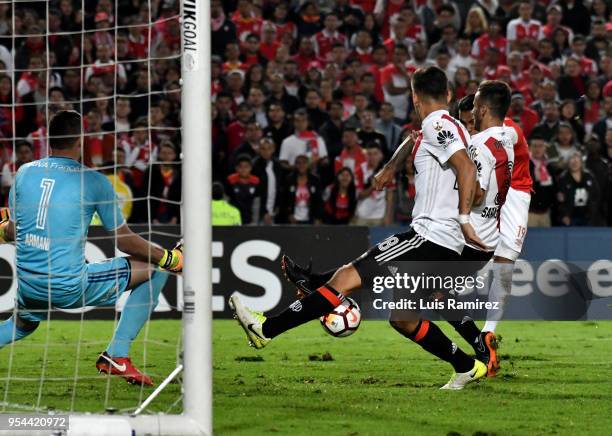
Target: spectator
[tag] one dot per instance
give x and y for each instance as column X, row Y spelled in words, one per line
column 447, row 43
column 340, row 198
column 461, row 79
column 521, row 114
column 122, row 115
column 278, row 128
column 374, row 208
column 576, row 16
column 331, row 130
column 237, row 129
column 165, row 188
column 304, row 142
column 23, row 155
column 245, row 20
column 244, row 190
column 139, row 151
column 270, row 173
column 493, row 38
column 352, row 155
column 223, row 213
column 326, row 38
column 396, row 82
column 604, row 123
column 476, row 23
column 563, row 147
column 301, row 202
column 524, row 29
column 578, row 194
column 572, row 83
column 463, row 57
column 223, row 30
column 256, row 100
column 316, row 116
column 569, row 114
column 279, row 94
column 543, row 195
column 599, row 168
column 361, row 104
column 547, row 93
column 368, row 135
column 250, row 146
column 549, row 124
column 589, row 106
column 387, row 126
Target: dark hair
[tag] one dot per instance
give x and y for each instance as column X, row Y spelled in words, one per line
column 243, row 158
column 218, row 191
column 349, row 129
column 496, row 95
column 335, row 190
column 447, row 8
column 334, row 103
column 466, row 104
column 430, row 82
column 64, row 129
column 400, row 47
column 22, row 144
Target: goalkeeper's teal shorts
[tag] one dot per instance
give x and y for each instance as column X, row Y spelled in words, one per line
column 104, row 283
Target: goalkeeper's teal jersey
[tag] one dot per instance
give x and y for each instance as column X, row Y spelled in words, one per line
column 52, row 203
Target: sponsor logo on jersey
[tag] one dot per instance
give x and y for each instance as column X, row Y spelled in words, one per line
column 445, row 138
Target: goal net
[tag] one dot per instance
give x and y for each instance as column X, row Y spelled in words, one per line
column 121, row 65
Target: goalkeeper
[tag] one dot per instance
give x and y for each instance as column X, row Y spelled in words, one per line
column 52, row 202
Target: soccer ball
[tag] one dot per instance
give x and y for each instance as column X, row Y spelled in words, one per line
column 343, row 320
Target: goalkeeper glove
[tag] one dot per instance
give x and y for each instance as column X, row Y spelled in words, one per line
column 4, row 223
column 172, row 260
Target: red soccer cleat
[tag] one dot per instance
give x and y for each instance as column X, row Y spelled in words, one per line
column 123, row 367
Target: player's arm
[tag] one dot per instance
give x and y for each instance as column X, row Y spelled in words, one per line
column 141, row 249
column 479, row 194
column 107, row 207
column 465, row 171
column 387, row 174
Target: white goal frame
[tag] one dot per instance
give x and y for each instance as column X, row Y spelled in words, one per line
column 197, row 231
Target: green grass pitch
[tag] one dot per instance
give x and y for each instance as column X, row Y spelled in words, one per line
column 556, row 379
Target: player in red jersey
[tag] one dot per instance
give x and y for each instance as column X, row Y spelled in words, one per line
column 512, row 226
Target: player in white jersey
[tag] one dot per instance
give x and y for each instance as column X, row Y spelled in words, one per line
column 445, row 185
column 494, row 162
column 494, row 159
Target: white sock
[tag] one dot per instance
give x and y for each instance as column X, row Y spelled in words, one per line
column 501, row 287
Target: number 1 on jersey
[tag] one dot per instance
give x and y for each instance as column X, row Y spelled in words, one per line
column 43, row 205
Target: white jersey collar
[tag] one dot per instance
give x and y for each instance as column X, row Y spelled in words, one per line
column 434, row 114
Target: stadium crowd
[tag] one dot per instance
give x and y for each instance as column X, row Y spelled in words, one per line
column 310, row 98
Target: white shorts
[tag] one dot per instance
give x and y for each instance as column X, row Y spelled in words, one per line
column 513, row 224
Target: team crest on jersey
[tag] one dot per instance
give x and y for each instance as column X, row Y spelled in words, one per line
column 437, row 126
column 445, row 138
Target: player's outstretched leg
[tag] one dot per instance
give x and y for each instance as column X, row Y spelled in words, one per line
column 11, row 331
column 429, row 336
column 260, row 330
column 138, row 307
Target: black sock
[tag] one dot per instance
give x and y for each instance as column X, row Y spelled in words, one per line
column 316, row 280
column 432, row 339
column 320, row 302
column 468, row 331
